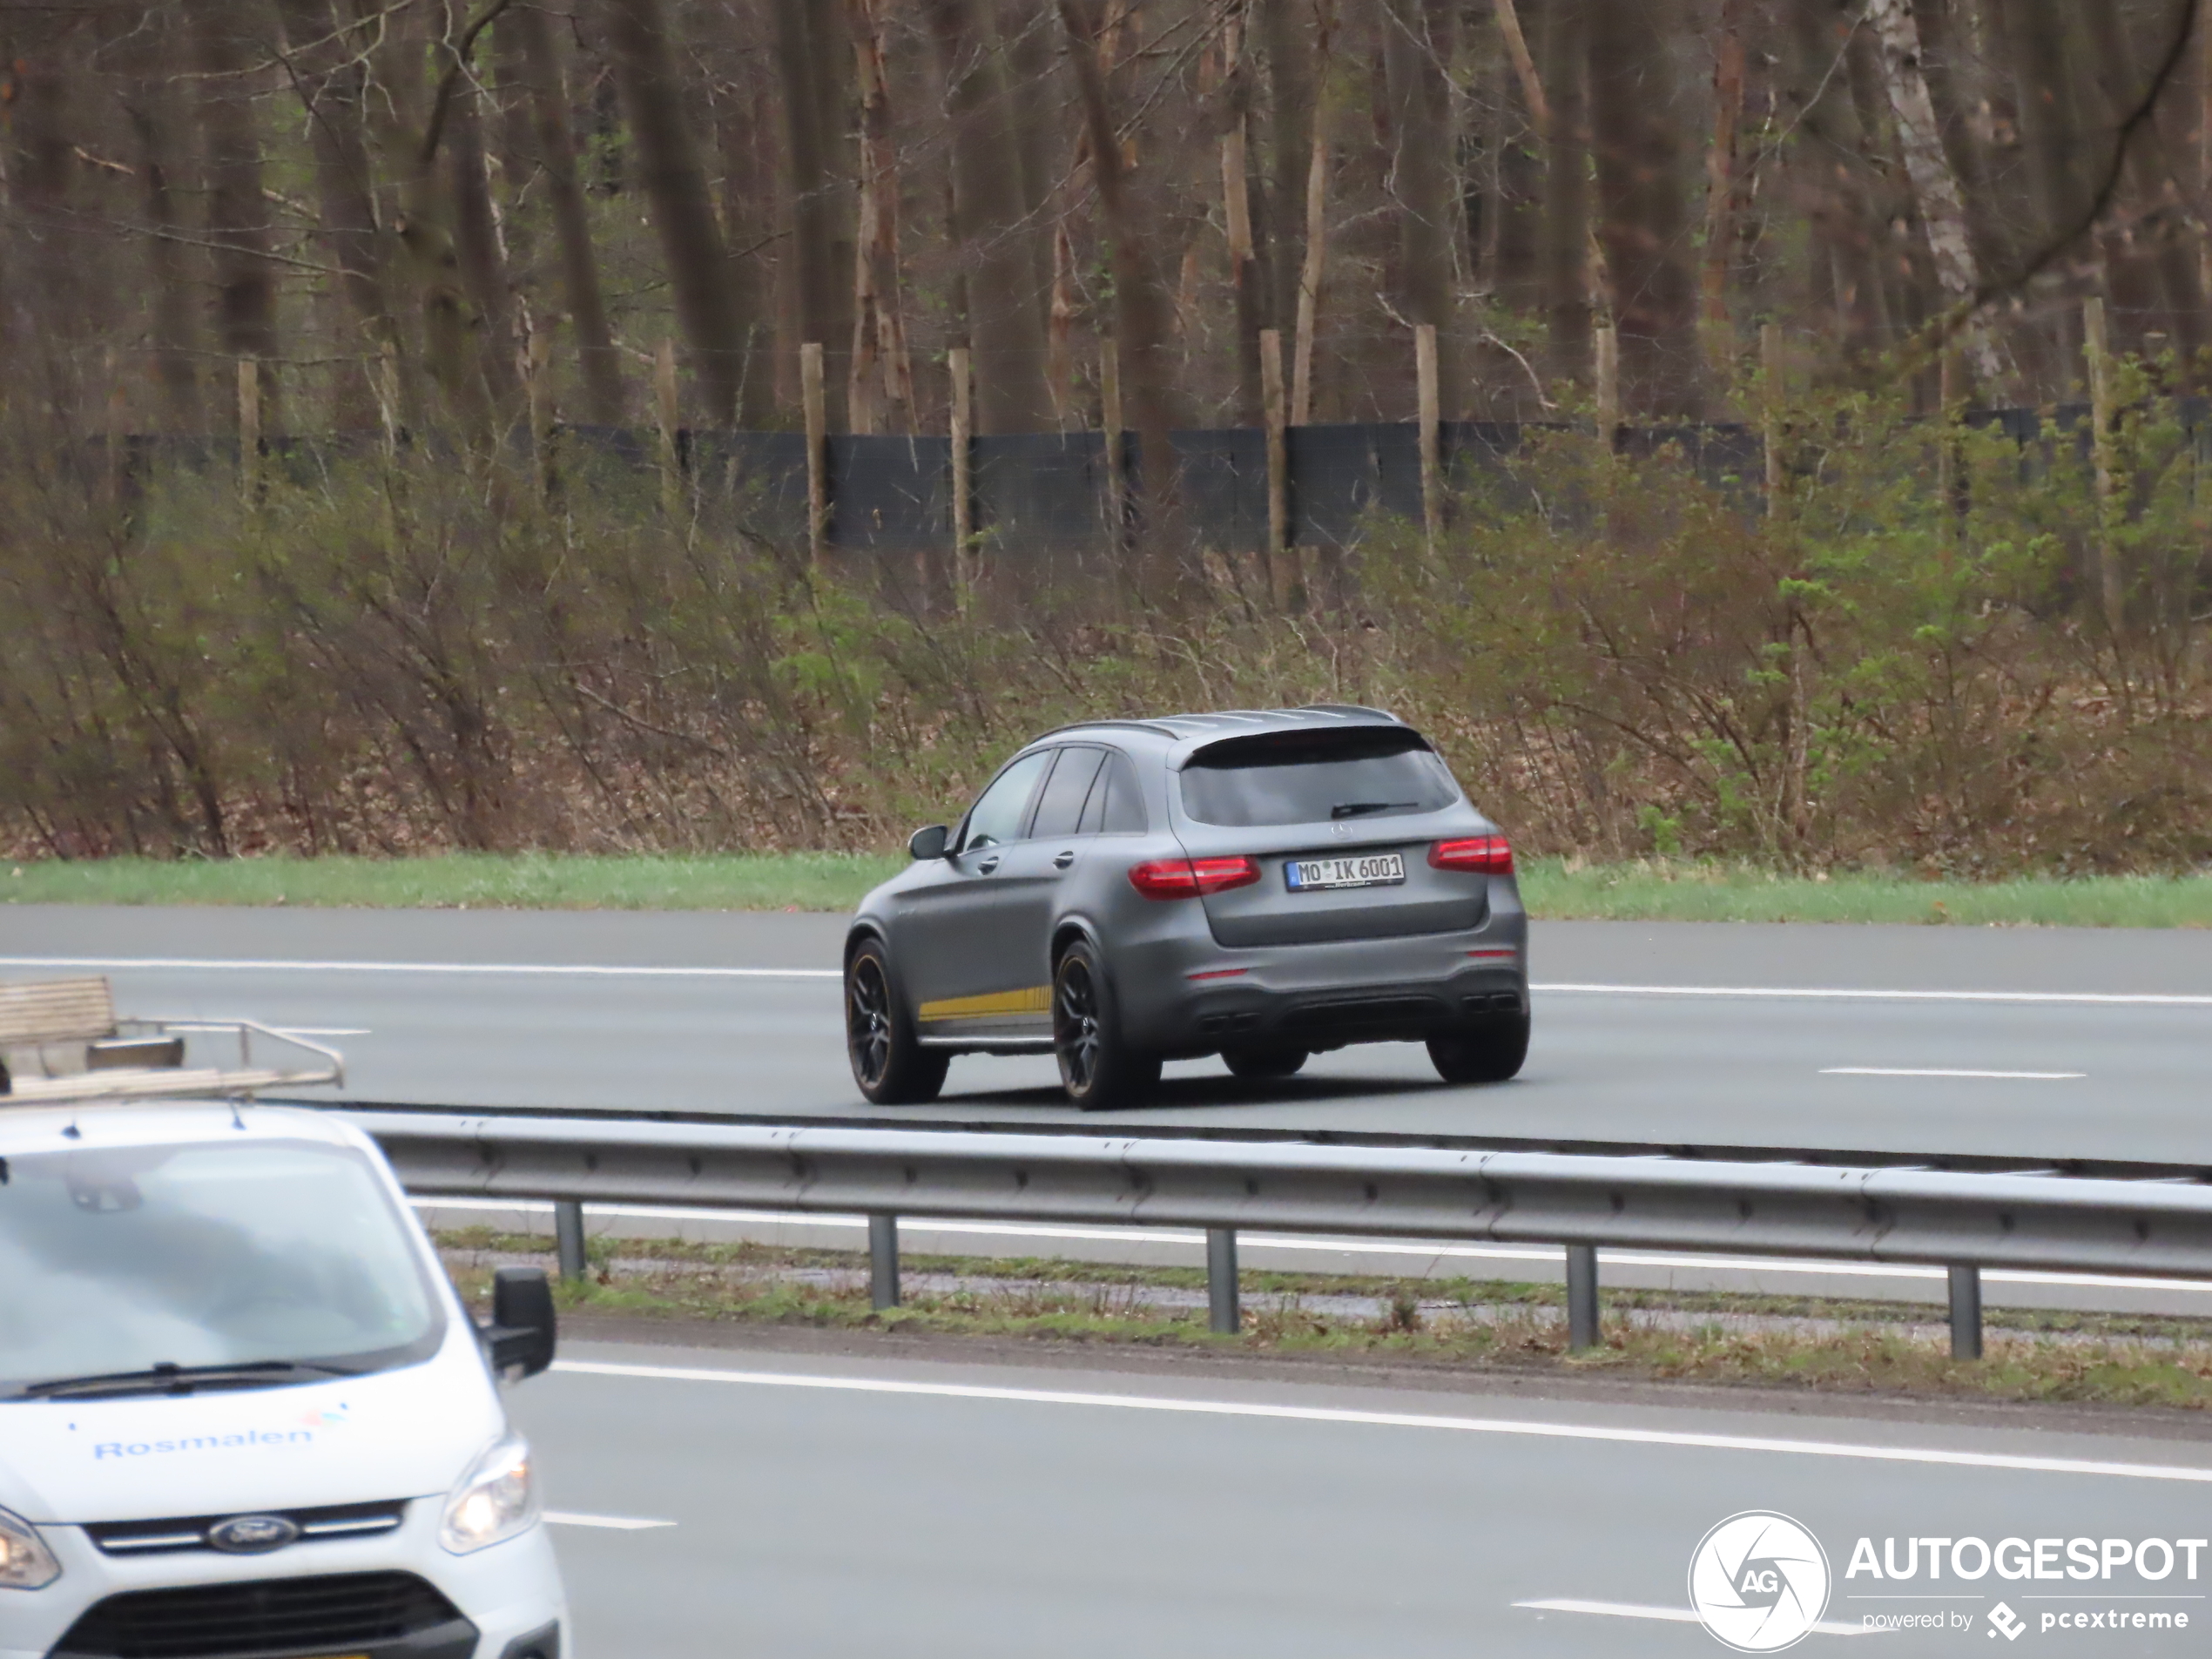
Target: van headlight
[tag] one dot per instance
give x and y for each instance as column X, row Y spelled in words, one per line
column 25, row 1562
column 495, row 1500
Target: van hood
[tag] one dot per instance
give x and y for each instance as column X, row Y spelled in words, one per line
column 410, row 1432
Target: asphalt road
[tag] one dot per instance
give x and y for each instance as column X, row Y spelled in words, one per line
column 2044, row 1043
column 828, row 1506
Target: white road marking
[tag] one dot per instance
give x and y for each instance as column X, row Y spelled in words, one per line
column 1677, row 1616
column 911, row 1228
column 616, row 1523
column 1941, row 1071
column 2147, row 999
column 275, row 965
column 586, row 970
column 1398, row 1419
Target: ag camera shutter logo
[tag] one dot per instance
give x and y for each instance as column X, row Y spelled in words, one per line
column 1759, row 1581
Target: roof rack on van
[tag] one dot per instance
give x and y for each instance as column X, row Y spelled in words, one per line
column 60, row 1040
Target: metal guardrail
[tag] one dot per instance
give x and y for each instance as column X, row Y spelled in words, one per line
column 2160, row 1228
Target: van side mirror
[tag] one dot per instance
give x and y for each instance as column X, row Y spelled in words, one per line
column 929, row 843
column 521, row 1334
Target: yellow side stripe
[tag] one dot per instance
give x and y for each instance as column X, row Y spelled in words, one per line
column 994, row 1005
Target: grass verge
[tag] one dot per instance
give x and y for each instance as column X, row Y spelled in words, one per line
column 1833, row 1345
column 834, row 881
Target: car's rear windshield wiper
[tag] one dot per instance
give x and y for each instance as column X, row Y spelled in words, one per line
column 168, row 1379
column 1357, row 808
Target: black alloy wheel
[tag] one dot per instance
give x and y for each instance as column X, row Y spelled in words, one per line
column 1263, row 1065
column 889, row 1064
column 1488, row 1050
column 1097, row 1066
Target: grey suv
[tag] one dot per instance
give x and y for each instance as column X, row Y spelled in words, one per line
column 1261, row 886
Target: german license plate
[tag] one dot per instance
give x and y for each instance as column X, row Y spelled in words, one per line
column 1369, row 870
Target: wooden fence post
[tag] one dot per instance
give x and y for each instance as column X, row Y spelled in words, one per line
column 543, row 417
column 1277, row 568
column 249, row 430
column 810, row 393
column 1951, row 389
column 667, row 416
column 2096, row 344
column 118, row 411
column 1607, row 339
column 1110, row 399
column 1431, row 471
column 963, row 425
column 387, row 397
column 1771, row 400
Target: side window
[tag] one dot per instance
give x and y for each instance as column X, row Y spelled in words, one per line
column 1060, row 808
column 996, row 818
column 1117, row 805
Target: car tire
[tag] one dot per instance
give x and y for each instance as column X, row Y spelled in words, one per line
column 1099, row 1067
column 889, row 1064
column 1263, row 1065
column 1487, row 1050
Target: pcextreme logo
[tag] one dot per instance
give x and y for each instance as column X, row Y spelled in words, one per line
column 1759, row 1581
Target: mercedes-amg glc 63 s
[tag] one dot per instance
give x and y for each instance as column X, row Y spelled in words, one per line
column 1261, row 886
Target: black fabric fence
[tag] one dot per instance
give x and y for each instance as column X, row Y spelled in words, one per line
column 894, row 494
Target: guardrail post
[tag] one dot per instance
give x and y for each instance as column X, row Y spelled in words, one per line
column 883, row 1262
column 1581, row 1298
column 1225, row 1317
column 568, row 1237
column 1965, row 1311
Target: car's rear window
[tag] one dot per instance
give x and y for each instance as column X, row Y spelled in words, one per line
column 1313, row 777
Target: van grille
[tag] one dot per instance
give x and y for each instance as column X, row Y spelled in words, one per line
column 190, row 1532
column 287, row 1616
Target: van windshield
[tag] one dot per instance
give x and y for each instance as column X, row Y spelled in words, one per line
column 1314, row 778
column 251, row 1263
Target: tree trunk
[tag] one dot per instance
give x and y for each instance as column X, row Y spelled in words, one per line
column 1722, row 184
column 1516, row 269
column 810, row 57
column 1005, row 323
column 327, row 74
column 555, row 153
column 1028, row 40
column 146, row 50
column 1827, row 177
column 675, row 186
column 882, row 373
column 476, row 233
column 1935, row 186
column 1140, row 304
column 238, row 218
column 1291, row 33
column 1562, row 45
column 1247, row 274
column 1644, row 222
column 1417, row 49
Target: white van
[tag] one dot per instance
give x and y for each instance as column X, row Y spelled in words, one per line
column 242, row 1409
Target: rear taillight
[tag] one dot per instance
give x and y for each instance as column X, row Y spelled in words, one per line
column 1480, row 854
column 1189, row 878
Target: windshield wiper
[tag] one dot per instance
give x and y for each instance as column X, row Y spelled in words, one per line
column 172, row 1379
column 1357, row 808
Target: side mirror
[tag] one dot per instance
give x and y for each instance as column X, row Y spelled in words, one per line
column 521, row 1334
column 929, row 843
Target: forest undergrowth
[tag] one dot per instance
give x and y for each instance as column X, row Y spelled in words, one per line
column 1927, row 650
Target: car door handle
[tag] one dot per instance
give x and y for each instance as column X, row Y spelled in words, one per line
column 1063, row 860
column 988, row 865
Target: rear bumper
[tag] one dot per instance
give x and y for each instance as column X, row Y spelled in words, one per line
column 1187, row 997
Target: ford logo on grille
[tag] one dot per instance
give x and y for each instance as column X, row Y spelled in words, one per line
column 253, row 1534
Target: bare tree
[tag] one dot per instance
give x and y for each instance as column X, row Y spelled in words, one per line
column 675, row 185
column 989, row 225
column 1642, row 219
column 1417, row 51
column 812, row 60
column 555, row 153
column 224, row 47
